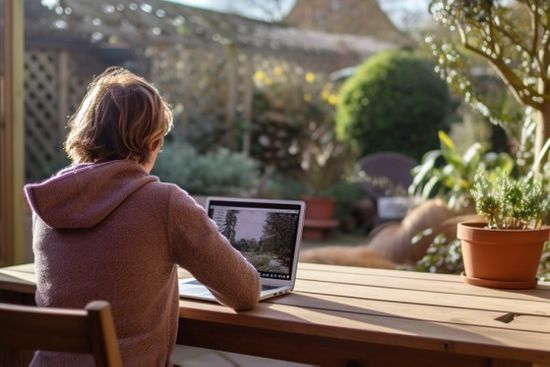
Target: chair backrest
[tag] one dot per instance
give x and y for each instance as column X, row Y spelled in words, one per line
column 386, row 169
column 90, row 331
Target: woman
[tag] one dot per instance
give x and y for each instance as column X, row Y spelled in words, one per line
column 104, row 228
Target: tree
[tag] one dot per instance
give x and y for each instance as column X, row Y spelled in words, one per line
column 278, row 233
column 229, row 225
column 514, row 38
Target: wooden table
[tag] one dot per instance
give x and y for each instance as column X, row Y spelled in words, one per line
column 347, row 316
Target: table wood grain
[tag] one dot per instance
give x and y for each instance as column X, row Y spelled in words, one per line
column 382, row 317
column 349, row 316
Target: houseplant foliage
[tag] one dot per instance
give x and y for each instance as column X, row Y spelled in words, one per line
column 506, row 251
column 449, row 174
column 443, row 256
column 508, row 203
column 389, row 104
column 514, row 38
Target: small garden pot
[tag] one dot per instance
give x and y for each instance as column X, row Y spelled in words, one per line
column 319, row 208
column 501, row 258
column 319, row 217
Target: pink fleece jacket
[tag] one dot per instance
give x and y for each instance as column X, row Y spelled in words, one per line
column 111, row 231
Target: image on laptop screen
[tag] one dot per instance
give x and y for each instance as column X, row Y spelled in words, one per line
column 265, row 233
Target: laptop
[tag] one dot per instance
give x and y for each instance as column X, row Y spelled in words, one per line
column 266, row 232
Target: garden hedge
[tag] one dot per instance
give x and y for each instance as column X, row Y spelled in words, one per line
column 394, row 102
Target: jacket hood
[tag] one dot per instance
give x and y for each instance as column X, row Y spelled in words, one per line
column 81, row 196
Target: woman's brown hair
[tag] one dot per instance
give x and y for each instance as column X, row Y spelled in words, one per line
column 122, row 116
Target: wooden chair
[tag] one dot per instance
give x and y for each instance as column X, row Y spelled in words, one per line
column 393, row 168
column 89, row 331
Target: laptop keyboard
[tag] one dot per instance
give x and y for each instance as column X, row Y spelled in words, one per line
column 264, row 286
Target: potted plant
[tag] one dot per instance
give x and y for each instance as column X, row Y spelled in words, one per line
column 505, row 251
column 318, row 178
column 323, row 163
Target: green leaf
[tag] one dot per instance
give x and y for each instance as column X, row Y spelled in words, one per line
column 449, row 152
column 505, row 162
column 472, row 155
column 446, row 141
column 541, row 156
column 426, row 169
column 430, row 189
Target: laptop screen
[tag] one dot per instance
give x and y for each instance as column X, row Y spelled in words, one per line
column 264, row 232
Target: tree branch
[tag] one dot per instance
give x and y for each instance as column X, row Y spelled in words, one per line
column 513, row 38
column 528, row 95
column 540, row 57
column 535, row 25
column 531, row 52
column 487, row 39
column 545, row 20
column 491, row 39
column 513, row 81
column 517, row 85
column 546, row 54
column 516, row 39
column 465, row 43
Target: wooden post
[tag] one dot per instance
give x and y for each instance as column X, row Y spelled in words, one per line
column 247, row 102
column 232, row 64
column 12, row 242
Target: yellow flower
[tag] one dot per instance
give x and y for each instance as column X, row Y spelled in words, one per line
column 278, row 71
column 310, row 77
column 325, row 94
column 307, row 97
column 259, row 75
column 333, row 99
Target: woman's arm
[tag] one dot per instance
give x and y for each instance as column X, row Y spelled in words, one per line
column 197, row 246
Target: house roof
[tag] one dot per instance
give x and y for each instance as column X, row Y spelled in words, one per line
column 358, row 17
column 129, row 24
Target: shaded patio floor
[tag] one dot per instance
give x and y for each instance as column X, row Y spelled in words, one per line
column 186, row 356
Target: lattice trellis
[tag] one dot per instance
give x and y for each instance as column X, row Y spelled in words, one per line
column 54, row 86
column 42, row 142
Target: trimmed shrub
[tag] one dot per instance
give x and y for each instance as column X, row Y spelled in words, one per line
column 219, row 173
column 394, row 102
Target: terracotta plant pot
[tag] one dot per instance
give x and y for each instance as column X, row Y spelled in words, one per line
column 504, row 258
column 319, row 208
column 319, row 217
